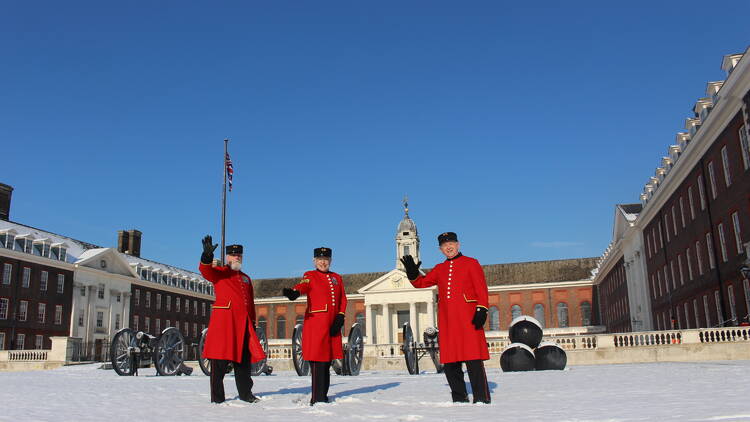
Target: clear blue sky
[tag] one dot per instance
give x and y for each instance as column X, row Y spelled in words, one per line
column 519, row 127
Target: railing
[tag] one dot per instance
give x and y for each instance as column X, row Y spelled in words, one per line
column 648, row 339
column 27, row 355
column 721, row 335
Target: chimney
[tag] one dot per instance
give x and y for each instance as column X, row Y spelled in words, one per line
column 122, row 241
column 134, row 242
column 6, row 192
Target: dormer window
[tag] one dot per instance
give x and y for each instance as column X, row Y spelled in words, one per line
column 59, row 251
column 155, row 276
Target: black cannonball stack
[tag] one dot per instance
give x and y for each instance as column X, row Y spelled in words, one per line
column 527, row 352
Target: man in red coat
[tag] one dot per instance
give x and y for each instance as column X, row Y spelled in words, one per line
column 231, row 334
column 463, row 300
column 324, row 317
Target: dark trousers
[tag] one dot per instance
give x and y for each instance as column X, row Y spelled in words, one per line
column 477, row 376
column 242, row 375
column 321, row 380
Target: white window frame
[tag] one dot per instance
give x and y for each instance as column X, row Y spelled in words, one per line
column 147, row 324
column 732, row 303
column 177, row 304
column 99, row 319
column 723, row 243
column 674, row 220
column 157, row 326
column 658, row 282
column 148, row 299
column 725, row 164
column 20, row 341
column 695, row 311
column 61, row 283
column 690, row 201
column 23, row 310
column 203, row 308
column 135, row 322
column 679, row 317
column 58, row 314
column 7, row 271
column 2, row 340
column 81, row 316
column 648, row 246
column 4, row 307
column 698, row 252
column 41, row 312
column 39, row 342
column 719, row 313
column 195, row 307
column 674, row 279
column 666, row 279
column 746, row 288
column 744, row 147
column 679, row 266
column 737, row 232
column 687, row 315
column 661, row 239
column 682, row 211
column 158, row 301
column 666, row 226
column 689, row 264
column 43, row 281
column 710, row 250
column 707, row 311
column 137, row 298
column 100, row 291
column 117, row 321
column 169, row 303
column 712, row 179
column 701, row 192
column 26, row 278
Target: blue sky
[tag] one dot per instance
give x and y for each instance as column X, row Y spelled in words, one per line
column 517, row 126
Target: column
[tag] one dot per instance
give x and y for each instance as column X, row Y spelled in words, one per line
column 388, row 323
column 369, row 325
column 431, row 314
column 76, row 300
column 413, row 319
column 112, row 312
column 125, row 318
column 88, row 336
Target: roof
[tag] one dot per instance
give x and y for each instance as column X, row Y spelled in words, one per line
column 496, row 274
column 630, row 211
column 75, row 247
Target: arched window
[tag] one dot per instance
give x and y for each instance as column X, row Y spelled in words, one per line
column 562, row 314
column 494, row 318
column 585, row 313
column 262, row 323
column 360, row 319
column 515, row 311
column 280, row 327
column 539, row 313
column 299, row 319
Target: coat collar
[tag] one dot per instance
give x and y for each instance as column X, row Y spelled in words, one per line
column 455, row 257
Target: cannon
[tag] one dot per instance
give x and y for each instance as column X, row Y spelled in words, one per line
column 414, row 351
column 353, row 353
column 258, row 368
column 131, row 350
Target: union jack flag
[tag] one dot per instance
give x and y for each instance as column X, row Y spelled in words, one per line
column 229, row 169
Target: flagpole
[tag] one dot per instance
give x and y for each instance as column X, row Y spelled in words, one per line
column 224, row 203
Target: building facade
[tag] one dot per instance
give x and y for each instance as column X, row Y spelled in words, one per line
column 692, row 232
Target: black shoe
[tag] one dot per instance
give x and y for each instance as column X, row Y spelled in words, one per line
column 250, row 399
column 481, row 401
column 312, row 402
column 460, row 398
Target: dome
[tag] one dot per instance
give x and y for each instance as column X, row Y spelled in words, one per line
column 407, row 225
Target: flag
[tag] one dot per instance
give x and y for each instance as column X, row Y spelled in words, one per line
column 229, row 170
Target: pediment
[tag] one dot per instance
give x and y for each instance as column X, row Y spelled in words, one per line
column 106, row 259
column 392, row 280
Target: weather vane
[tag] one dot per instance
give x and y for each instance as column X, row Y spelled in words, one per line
column 406, row 205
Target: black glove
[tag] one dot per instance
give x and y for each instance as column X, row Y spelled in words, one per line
column 290, row 294
column 480, row 316
column 208, row 250
column 338, row 322
column 412, row 269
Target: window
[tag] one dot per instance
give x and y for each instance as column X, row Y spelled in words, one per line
column 2, row 340
column 167, row 323
column 3, row 308
column 737, row 232
column 169, row 304
column 195, row 307
column 690, row 201
column 135, row 322
column 118, row 297
column 732, row 304
column 745, row 147
column 710, row 250
column 158, row 326
column 538, row 315
column 137, row 298
column 682, row 212
column 177, row 304
column 117, row 321
column 26, row 277
column 20, row 341
column 679, row 318
column 725, row 163
column 719, row 312
column 148, row 299
column 515, row 312
column 674, row 220
column 24, row 307
column 658, row 283
column 689, row 264
column 147, row 324
column 661, row 239
column 43, row 281
column 562, row 314
column 746, row 288
column 185, row 325
column 158, row 301
column 280, row 327
column 99, row 319
column 687, row 315
column 698, row 253
column 7, row 270
column 203, row 308
column 80, row 317
column 60, row 283
column 666, row 225
column 58, row 314
column 262, row 323
column 712, row 179
column 701, row 192
column 666, row 279
column 648, row 246
column 83, row 290
column 42, row 313
column 679, row 266
column 706, row 311
column 494, row 318
column 674, row 279
column 195, row 329
column 187, row 306
column 723, row 243
column 406, row 250
column 100, row 291
column 695, row 312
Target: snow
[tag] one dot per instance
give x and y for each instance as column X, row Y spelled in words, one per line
column 706, row 391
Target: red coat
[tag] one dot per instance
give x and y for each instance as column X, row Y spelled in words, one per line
column 461, row 288
column 232, row 311
column 325, row 299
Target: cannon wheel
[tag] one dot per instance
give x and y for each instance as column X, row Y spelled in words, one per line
column 119, row 352
column 435, row 356
column 204, row 363
column 300, row 364
column 354, row 351
column 338, row 366
column 260, row 367
column 169, row 352
column 410, row 354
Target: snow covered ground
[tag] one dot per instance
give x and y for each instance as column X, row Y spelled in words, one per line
column 714, row 391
